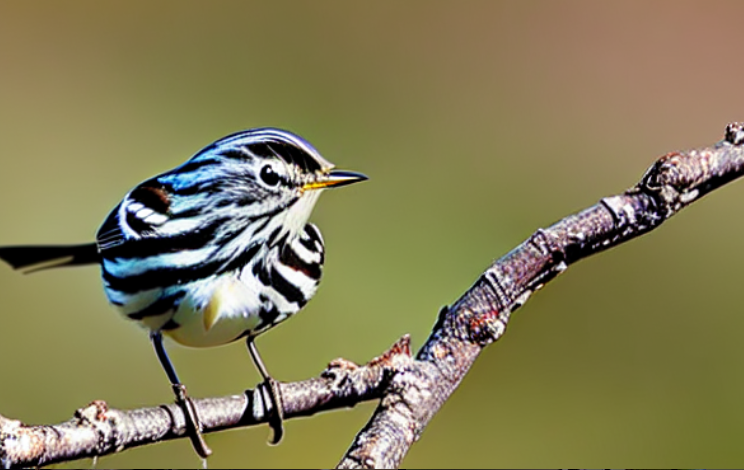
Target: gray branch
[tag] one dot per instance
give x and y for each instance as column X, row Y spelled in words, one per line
column 480, row 316
column 98, row 430
column 411, row 391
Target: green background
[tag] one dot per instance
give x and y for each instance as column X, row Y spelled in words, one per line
column 478, row 122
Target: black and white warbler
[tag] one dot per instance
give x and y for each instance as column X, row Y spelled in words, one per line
column 215, row 250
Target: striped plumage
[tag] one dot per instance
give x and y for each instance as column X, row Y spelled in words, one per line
column 216, row 249
column 205, row 257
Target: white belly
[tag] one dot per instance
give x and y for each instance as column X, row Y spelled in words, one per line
column 216, row 312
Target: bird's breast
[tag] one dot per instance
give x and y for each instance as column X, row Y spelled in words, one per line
column 218, row 312
column 224, row 306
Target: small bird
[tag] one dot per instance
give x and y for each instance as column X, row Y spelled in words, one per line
column 215, row 250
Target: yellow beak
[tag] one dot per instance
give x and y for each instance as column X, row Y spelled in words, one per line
column 335, row 178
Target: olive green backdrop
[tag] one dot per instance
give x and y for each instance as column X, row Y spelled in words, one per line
column 478, row 122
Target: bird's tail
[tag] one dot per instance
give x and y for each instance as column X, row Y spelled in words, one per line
column 35, row 258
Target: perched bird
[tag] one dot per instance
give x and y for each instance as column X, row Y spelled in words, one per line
column 215, row 250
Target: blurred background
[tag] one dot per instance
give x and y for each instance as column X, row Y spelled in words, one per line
column 478, row 122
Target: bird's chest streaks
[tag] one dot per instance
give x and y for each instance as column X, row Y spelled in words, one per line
column 291, row 270
column 227, row 307
column 271, row 288
column 258, row 291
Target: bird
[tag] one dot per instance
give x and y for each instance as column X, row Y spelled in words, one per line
column 216, row 250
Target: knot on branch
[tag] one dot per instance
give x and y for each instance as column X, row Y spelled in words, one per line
column 485, row 328
column 481, row 317
column 734, row 133
column 673, row 179
column 96, row 416
column 349, row 377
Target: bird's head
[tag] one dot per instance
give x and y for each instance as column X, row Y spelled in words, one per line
column 269, row 173
column 256, row 186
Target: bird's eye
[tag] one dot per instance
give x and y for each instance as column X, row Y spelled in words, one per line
column 269, row 176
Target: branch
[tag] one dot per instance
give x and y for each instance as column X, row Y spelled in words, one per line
column 480, row 316
column 411, row 391
column 98, row 430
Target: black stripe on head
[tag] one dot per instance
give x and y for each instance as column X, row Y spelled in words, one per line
column 235, row 154
column 287, row 152
column 262, row 150
column 188, row 173
column 204, row 187
column 220, row 143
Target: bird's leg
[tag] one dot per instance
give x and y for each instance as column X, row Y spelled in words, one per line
column 193, row 428
column 276, row 417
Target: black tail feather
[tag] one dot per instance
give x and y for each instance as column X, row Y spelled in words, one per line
column 36, row 258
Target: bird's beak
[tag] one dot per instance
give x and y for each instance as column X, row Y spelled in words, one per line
column 334, row 179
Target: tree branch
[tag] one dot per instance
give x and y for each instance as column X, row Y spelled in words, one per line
column 411, row 391
column 98, row 430
column 480, row 316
